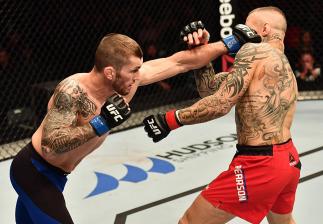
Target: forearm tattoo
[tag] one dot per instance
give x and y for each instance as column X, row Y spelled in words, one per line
column 61, row 133
column 233, row 86
column 207, row 82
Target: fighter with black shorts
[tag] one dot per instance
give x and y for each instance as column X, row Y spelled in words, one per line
column 34, row 204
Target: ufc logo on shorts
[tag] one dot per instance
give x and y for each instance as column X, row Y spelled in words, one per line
column 153, row 127
column 115, row 112
column 241, row 184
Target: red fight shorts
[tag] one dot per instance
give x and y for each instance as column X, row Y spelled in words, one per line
column 259, row 179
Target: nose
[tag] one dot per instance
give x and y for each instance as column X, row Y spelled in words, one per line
column 136, row 77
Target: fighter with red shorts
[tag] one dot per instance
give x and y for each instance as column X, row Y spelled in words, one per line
column 259, row 179
column 263, row 175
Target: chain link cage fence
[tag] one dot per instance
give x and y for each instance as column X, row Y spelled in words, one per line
column 42, row 42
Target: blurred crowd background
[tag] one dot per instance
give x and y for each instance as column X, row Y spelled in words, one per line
column 42, row 42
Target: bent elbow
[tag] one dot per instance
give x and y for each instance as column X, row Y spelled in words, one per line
column 47, row 150
column 51, row 147
column 225, row 110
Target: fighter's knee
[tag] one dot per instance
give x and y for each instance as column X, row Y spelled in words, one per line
column 274, row 218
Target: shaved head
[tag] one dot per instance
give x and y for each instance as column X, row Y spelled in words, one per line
column 271, row 15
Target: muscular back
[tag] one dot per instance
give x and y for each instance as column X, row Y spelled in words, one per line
column 265, row 112
column 263, row 88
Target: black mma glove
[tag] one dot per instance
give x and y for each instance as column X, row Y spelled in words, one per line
column 113, row 113
column 194, row 27
column 159, row 126
column 241, row 34
column 191, row 28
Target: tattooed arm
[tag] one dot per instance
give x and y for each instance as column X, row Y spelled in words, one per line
column 207, row 82
column 229, row 92
column 61, row 133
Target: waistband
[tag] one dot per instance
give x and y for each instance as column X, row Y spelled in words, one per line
column 36, row 156
column 262, row 150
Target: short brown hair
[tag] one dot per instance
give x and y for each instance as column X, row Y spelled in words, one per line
column 114, row 49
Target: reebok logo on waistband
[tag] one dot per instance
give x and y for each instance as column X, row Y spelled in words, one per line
column 292, row 161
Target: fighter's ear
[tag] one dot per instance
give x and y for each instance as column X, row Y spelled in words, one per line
column 109, row 72
column 265, row 30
